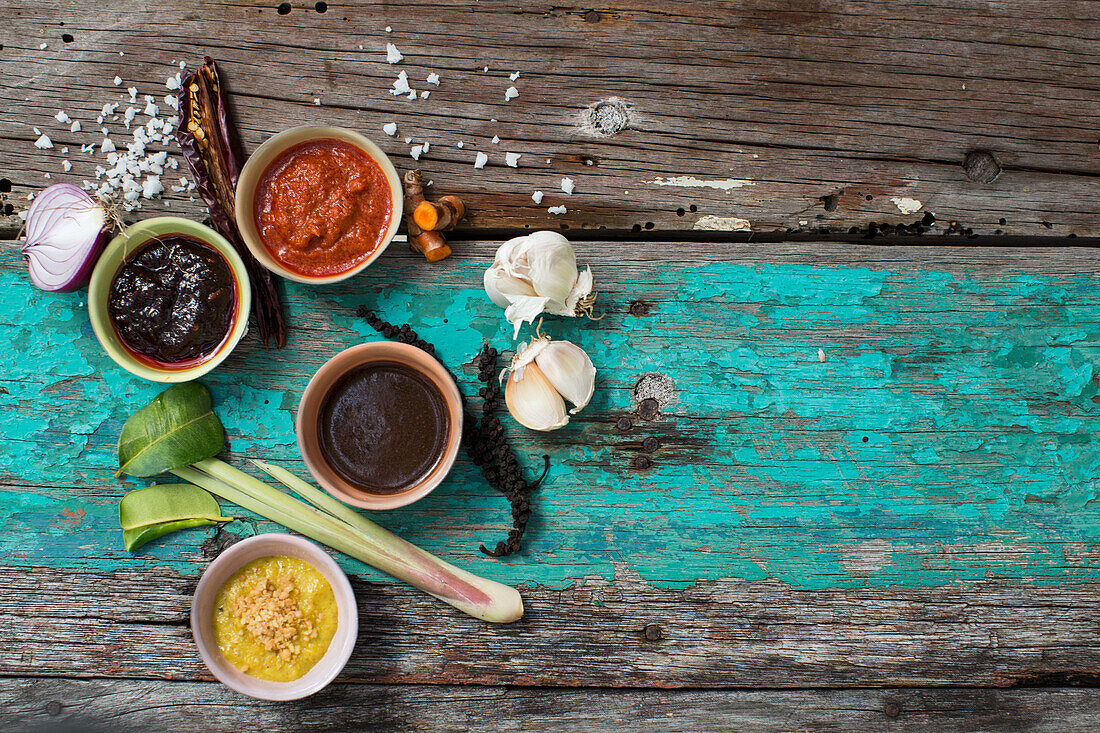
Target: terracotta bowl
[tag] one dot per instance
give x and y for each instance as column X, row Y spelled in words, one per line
column 309, row 411
column 266, row 154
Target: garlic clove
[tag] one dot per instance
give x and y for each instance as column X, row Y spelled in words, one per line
column 500, row 286
column 569, row 370
column 552, row 264
column 533, row 401
column 581, row 290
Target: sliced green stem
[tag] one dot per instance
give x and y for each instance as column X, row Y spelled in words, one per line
column 362, row 539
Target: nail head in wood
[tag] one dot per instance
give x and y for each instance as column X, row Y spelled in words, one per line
column 624, row 423
column 642, row 463
column 891, row 710
column 609, row 117
column 650, row 444
column 648, row 409
column 653, row 632
column 981, row 166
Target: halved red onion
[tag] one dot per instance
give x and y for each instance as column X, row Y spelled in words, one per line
column 66, row 230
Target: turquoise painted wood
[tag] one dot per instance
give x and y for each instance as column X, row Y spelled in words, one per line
column 836, row 423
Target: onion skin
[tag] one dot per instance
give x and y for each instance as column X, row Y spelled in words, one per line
column 59, row 260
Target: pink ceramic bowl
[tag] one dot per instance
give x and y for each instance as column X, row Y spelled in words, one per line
column 309, row 411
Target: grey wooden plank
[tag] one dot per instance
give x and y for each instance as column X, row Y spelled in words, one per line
column 139, row 705
column 621, row 632
column 805, row 111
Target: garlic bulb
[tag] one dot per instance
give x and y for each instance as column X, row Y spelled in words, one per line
column 537, row 273
column 544, row 375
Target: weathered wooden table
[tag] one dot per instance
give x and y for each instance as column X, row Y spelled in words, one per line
column 861, row 494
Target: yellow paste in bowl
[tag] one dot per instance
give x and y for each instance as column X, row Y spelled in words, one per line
column 275, row 618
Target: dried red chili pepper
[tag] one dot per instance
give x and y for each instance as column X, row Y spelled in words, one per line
column 212, row 150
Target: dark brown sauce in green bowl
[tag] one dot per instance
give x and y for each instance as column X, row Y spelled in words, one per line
column 173, row 301
column 383, row 427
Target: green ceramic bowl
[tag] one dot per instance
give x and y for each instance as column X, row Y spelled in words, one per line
column 111, row 260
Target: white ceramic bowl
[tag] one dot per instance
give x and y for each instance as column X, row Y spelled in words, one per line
column 229, row 562
column 254, row 169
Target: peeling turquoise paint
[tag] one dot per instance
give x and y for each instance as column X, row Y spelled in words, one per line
column 946, row 437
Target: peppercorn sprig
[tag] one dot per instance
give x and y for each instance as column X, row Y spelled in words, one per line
column 484, row 440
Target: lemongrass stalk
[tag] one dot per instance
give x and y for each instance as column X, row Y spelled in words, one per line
column 313, row 495
column 482, row 598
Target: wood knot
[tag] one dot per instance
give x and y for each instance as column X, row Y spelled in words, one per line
column 608, row 117
column 54, row 708
column 653, row 632
column 981, row 166
column 640, row 308
column 592, row 16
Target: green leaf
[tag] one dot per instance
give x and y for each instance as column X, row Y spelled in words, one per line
column 135, row 538
column 167, row 503
column 176, row 429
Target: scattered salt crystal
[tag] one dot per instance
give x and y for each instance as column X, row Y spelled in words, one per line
column 424, row 95
column 481, row 160
column 64, row 151
column 46, row 175
column 401, row 85
column 66, row 166
column 512, row 159
column 393, row 56
column 62, row 117
column 23, row 215
column 390, row 128
column 408, row 140
column 36, row 131
column 183, row 64
column 821, row 354
column 389, row 30
column 547, row 161
column 510, row 93
column 557, row 209
column 172, row 101
column 486, row 69
column 118, row 80
column 128, row 117
column 121, row 53
column 43, row 143
column 151, row 109
column 427, row 146
column 317, row 101
column 461, row 144
column 514, row 76
column 537, row 197
column 496, row 140
column 567, row 185
column 43, row 46
column 151, row 187
column 107, row 145
column 416, row 151
column 433, row 78
column 75, row 127
column 173, row 82
column 412, row 94
column 133, row 93
column 99, row 120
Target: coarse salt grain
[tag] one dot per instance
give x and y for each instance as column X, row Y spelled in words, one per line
column 401, row 85
column 512, row 159
column 567, row 186
column 424, row 95
column 557, row 209
column 510, row 93
column 107, row 146
column 496, row 140
column 43, row 143
column 389, row 30
column 66, row 166
column 461, row 144
column 173, row 82
column 416, row 151
column 75, row 127
column 390, row 128
column 537, row 197
column 43, row 46
column 393, row 56
column 118, row 81
column 316, row 101
column 514, row 76
column 433, row 78
column 481, row 160
column 62, row 117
